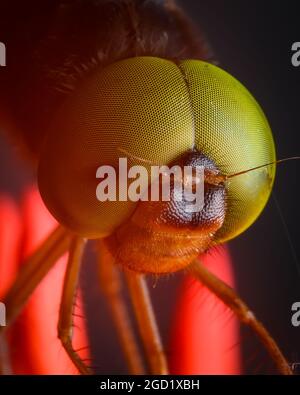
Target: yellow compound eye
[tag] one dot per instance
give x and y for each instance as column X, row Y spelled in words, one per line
column 232, row 130
column 156, row 110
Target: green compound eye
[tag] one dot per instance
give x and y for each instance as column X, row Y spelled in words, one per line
column 156, row 110
column 233, row 131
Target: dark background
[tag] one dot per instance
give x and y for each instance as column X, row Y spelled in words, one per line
column 251, row 40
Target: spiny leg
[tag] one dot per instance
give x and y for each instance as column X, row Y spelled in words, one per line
column 234, row 302
column 146, row 322
column 65, row 323
column 111, row 286
column 34, row 270
column 31, row 274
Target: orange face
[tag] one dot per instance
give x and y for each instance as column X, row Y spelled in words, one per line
column 163, row 112
column 164, row 236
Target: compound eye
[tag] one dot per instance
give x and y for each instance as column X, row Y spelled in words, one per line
column 155, row 109
column 140, row 105
column 232, row 130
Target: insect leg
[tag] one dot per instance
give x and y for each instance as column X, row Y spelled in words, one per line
column 146, row 322
column 33, row 271
column 65, row 323
column 234, row 302
column 111, row 286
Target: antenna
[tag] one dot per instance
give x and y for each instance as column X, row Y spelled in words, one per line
column 261, row 166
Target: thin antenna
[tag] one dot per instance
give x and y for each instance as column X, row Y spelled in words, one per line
column 131, row 156
column 259, row 167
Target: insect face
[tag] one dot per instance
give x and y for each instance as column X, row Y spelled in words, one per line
column 158, row 110
column 130, row 85
column 165, row 236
